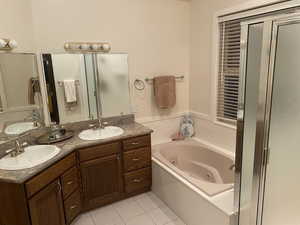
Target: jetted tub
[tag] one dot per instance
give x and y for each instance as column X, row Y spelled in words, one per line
column 195, row 180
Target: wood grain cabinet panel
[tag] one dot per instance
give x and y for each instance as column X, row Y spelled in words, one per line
column 137, row 159
column 46, row 207
column 69, row 182
column 138, row 180
column 137, row 142
column 99, row 151
column 72, row 206
column 101, row 180
column 40, row 181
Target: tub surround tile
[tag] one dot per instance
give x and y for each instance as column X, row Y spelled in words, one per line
column 68, row 146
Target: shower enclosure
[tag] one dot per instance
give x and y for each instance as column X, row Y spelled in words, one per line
column 268, row 141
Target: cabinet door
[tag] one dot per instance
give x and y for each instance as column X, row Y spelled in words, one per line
column 101, row 180
column 46, row 207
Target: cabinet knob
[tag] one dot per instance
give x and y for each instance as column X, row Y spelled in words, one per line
column 135, row 159
column 70, row 182
column 135, row 143
column 73, row 207
column 137, row 180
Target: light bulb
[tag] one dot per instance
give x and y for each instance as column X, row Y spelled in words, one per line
column 95, row 47
column 84, row 46
column 67, row 46
column 3, row 43
column 106, row 47
column 12, row 44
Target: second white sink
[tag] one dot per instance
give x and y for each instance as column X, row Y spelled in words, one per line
column 32, row 156
column 97, row 134
column 19, row 128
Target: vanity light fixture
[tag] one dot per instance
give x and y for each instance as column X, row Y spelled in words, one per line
column 87, row 46
column 7, row 44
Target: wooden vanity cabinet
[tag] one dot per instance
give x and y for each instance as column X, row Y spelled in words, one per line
column 101, row 175
column 114, row 171
column 53, row 195
column 137, row 165
column 46, row 207
column 85, row 179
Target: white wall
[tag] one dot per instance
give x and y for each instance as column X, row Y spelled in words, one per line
column 154, row 33
column 16, row 23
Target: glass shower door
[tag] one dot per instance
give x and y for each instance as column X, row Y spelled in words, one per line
column 268, row 141
column 282, row 185
column 252, row 35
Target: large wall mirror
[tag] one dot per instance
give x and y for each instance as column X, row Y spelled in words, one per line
column 20, row 94
column 82, row 86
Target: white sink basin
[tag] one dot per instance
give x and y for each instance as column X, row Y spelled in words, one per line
column 97, row 134
column 19, row 128
column 33, row 156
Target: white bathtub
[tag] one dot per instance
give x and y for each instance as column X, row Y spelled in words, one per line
column 195, row 181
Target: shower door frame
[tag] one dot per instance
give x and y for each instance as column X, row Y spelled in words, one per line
column 262, row 151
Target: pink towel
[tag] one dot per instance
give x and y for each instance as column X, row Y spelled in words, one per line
column 165, row 91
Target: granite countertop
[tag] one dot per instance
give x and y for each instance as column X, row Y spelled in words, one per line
column 67, row 147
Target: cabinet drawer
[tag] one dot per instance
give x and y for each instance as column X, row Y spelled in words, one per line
column 69, row 182
column 137, row 142
column 137, row 159
column 99, row 151
column 72, row 206
column 38, row 182
column 137, row 180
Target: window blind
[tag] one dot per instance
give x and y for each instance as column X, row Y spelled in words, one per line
column 229, row 68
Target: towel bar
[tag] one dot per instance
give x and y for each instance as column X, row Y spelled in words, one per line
column 61, row 83
column 176, row 77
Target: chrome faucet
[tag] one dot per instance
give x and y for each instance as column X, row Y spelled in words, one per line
column 36, row 118
column 98, row 125
column 18, row 149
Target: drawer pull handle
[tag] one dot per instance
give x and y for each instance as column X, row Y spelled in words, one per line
column 135, row 143
column 73, row 207
column 70, row 182
column 136, row 159
column 137, row 180
column 59, row 187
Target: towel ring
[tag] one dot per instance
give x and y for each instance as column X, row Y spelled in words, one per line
column 139, row 84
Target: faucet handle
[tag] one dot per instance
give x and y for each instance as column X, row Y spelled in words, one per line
column 93, row 126
column 25, row 144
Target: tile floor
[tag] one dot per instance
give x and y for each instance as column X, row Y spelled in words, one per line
column 144, row 209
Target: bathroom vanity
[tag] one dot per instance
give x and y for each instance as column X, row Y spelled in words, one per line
column 93, row 166
column 83, row 176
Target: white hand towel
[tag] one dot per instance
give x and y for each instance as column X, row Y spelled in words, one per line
column 70, row 91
